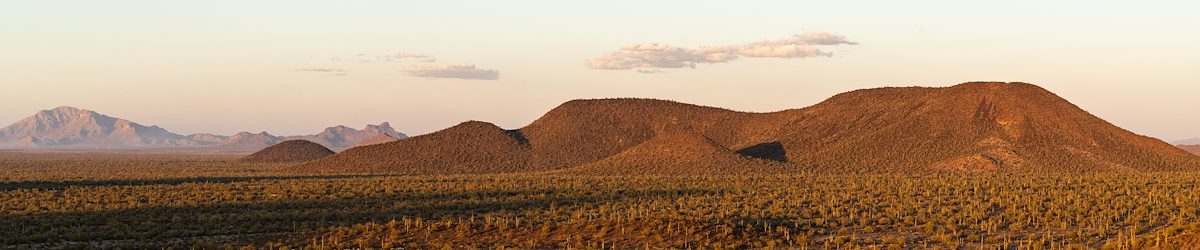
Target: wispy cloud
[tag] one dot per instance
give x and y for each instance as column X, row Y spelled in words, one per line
column 415, row 57
column 457, row 71
column 322, row 70
column 655, row 55
column 413, row 64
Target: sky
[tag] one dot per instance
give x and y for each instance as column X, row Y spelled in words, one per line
column 296, row 67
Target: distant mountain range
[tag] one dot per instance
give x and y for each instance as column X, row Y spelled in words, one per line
column 74, row 128
column 1192, row 141
column 1194, row 148
column 1191, row 145
column 971, row 127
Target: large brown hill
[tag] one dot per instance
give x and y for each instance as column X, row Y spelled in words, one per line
column 971, row 127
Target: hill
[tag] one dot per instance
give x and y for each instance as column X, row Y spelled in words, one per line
column 970, row 127
column 289, row 151
column 469, row 147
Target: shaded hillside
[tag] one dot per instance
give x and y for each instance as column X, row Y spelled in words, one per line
column 971, row 127
column 289, row 151
column 678, row 151
column 469, row 147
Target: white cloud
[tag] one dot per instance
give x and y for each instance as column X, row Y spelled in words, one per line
column 656, row 55
column 457, row 71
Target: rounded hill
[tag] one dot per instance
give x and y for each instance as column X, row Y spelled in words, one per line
column 469, row 147
column 289, row 152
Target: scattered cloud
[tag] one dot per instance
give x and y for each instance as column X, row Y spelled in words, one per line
column 656, row 55
column 650, row 71
column 457, row 71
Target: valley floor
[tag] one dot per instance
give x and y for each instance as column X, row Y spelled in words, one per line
column 207, row 201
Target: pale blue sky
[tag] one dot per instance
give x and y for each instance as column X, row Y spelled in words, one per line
column 228, row 66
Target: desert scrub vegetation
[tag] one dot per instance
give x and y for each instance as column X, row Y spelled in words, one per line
column 269, row 210
column 49, row 167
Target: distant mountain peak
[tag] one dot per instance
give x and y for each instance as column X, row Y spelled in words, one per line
column 343, row 137
column 68, row 126
column 67, row 108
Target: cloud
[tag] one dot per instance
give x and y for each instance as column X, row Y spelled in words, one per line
column 656, row 55
column 322, row 70
column 415, row 57
column 650, row 71
column 457, row 71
